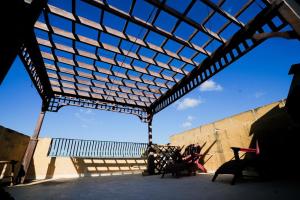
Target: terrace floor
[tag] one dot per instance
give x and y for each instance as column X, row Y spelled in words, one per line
column 153, row 187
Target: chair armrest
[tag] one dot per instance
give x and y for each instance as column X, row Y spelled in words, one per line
column 236, row 151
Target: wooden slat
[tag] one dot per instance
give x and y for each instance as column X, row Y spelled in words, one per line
column 113, row 49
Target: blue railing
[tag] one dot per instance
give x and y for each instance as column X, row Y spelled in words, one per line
column 62, row 147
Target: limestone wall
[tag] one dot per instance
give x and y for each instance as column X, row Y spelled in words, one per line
column 43, row 167
column 270, row 124
column 12, row 147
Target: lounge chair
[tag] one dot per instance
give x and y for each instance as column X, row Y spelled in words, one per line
column 237, row 166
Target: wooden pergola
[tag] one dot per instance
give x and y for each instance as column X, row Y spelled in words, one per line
column 136, row 57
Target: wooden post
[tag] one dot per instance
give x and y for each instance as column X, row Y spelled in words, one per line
column 31, row 146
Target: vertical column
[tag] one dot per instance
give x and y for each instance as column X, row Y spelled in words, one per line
column 292, row 101
column 150, row 158
column 150, row 131
column 31, row 148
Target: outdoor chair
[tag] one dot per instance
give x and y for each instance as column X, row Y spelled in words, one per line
column 237, row 166
column 187, row 162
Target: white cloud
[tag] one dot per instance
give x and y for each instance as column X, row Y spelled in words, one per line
column 190, row 118
column 210, row 85
column 259, row 94
column 86, row 111
column 188, row 103
column 188, row 122
column 84, row 126
column 85, row 116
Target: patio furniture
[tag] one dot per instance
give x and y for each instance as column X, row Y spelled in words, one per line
column 237, row 166
column 12, row 173
column 189, row 162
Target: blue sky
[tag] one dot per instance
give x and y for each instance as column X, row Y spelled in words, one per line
column 256, row 79
column 259, row 78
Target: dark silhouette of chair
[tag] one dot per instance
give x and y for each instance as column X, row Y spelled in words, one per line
column 237, row 166
column 189, row 162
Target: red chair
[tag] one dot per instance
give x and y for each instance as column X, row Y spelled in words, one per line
column 194, row 158
column 189, row 162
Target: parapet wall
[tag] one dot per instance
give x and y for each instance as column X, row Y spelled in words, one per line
column 276, row 132
column 44, row 167
column 12, row 147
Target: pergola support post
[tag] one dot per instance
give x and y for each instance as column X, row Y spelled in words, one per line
column 31, row 146
column 150, row 131
column 150, row 155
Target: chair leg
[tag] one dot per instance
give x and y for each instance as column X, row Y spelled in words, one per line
column 215, row 176
column 235, row 177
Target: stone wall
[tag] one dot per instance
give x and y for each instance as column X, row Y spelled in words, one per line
column 44, row 167
column 12, row 147
column 275, row 131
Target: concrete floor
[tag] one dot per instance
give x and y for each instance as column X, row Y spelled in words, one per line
column 153, row 187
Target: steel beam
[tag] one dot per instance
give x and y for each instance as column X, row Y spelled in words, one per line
column 32, row 145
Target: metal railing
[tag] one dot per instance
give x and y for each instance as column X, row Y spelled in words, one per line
column 62, row 147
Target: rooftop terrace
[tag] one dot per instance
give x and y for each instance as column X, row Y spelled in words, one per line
column 138, row 58
column 153, row 187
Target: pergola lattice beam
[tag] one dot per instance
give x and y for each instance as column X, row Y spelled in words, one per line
column 34, row 58
column 103, row 58
column 60, row 101
column 104, row 6
column 233, row 49
column 157, row 84
column 223, row 13
column 290, row 10
column 189, row 21
column 104, row 29
column 247, row 5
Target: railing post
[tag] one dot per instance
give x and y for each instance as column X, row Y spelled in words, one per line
column 31, row 147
